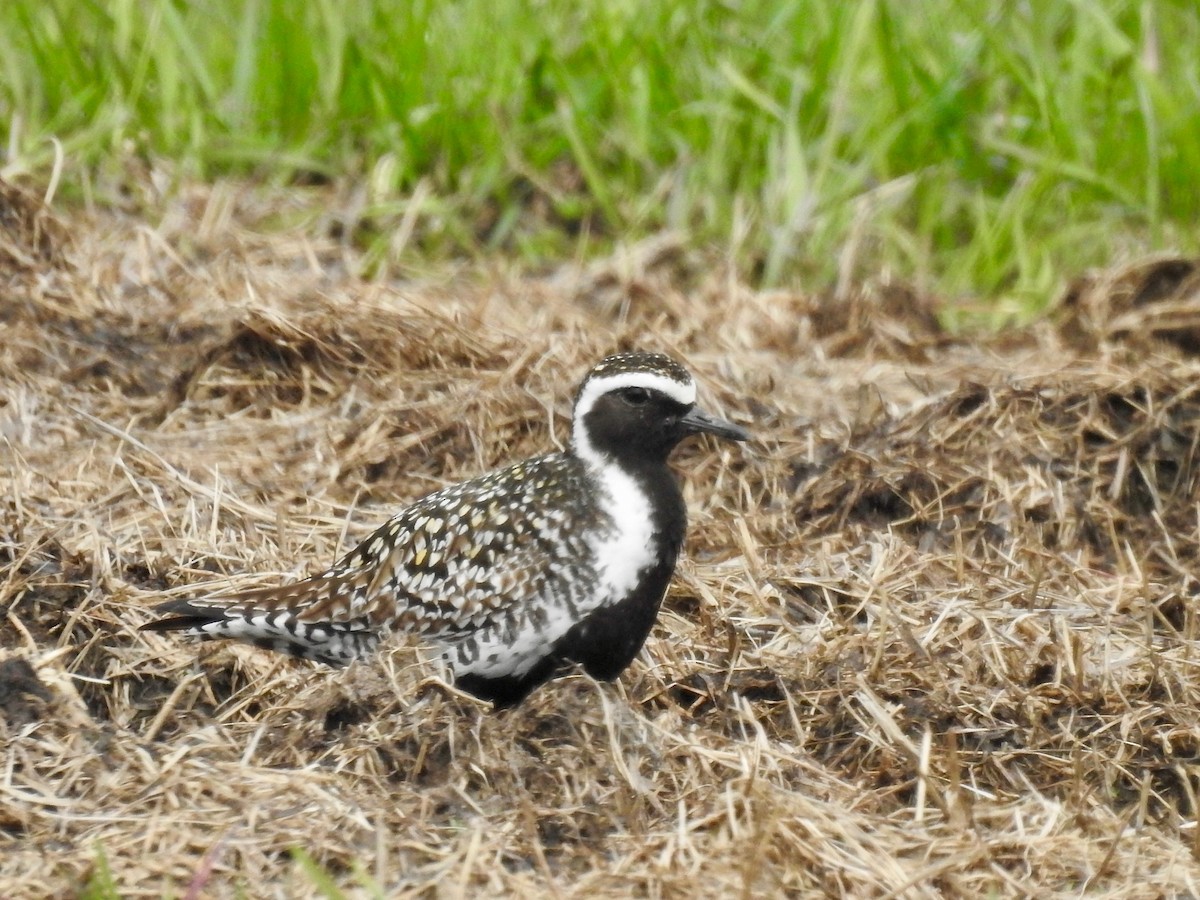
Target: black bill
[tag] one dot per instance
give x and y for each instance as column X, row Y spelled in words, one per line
column 698, row 420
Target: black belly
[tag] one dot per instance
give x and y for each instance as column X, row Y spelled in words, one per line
column 606, row 642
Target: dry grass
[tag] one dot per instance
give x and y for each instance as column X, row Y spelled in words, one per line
column 934, row 636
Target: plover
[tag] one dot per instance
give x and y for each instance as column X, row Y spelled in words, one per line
column 516, row 575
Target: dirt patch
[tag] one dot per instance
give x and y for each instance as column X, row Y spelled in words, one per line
column 1139, row 305
column 1094, row 459
column 22, row 696
column 934, row 634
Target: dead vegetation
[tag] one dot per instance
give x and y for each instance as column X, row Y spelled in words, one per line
column 935, row 635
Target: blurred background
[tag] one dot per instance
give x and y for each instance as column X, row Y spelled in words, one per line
column 982, row 152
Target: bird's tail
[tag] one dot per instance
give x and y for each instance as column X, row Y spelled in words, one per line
column 298, row 619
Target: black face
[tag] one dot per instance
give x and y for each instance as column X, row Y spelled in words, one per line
column 638, row 422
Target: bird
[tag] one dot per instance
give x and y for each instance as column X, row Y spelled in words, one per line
column 519, row 575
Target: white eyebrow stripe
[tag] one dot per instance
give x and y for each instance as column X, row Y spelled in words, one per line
column 680, row 392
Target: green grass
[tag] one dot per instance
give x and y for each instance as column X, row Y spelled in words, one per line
column 100, row 883
column 984, row 150
column 325, row 883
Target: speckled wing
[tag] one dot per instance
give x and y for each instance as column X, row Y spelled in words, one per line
column 491, row 554
column 474, row 555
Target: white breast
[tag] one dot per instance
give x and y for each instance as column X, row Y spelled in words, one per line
column 626, row 549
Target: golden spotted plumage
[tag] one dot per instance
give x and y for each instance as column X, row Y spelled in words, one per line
column 511, row 572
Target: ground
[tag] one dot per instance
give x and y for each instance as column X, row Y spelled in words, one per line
column 934, row 634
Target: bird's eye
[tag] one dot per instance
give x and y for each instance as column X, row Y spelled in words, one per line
column 635, row 396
